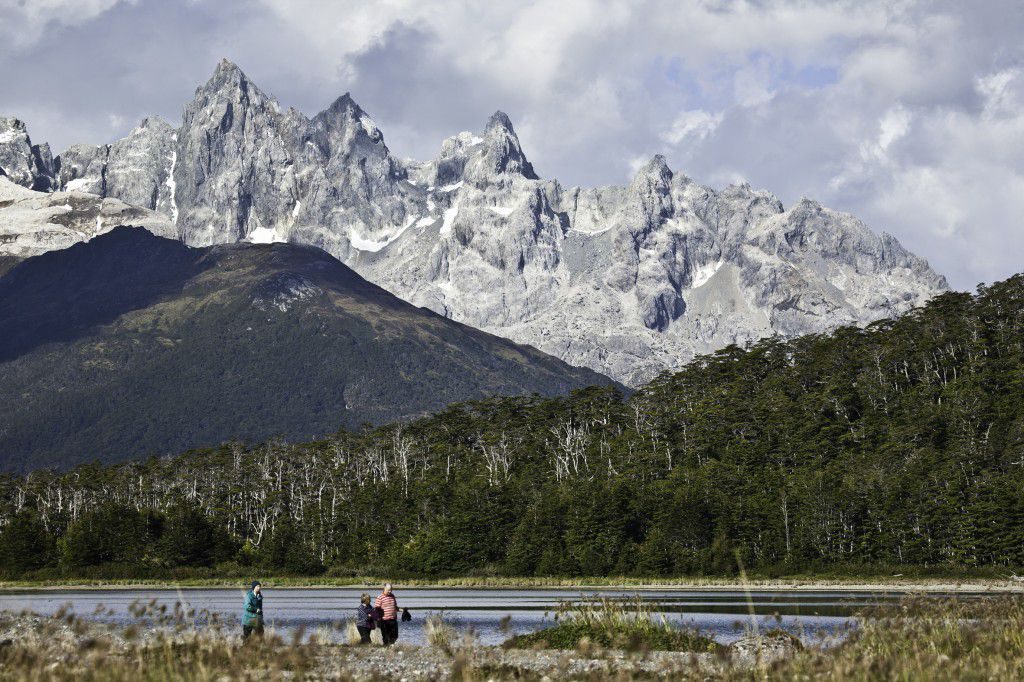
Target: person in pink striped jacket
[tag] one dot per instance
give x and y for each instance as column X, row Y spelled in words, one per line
column 387, row 614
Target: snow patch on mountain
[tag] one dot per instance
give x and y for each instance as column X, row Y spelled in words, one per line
column 369, row 126
column 265, row 235
column 171, row 187
column 77, row 185
column 449, row 220
column 704, row 273
column 374, row 246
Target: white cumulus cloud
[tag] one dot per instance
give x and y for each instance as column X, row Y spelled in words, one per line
column 23, row 22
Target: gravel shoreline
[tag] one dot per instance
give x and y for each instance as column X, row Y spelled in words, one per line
column 428, row 663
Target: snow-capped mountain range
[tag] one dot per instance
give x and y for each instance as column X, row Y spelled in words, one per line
column 628, row 280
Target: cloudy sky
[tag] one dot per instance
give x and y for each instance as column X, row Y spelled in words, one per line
column 909, row 114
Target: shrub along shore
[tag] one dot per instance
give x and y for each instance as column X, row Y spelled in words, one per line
column 948, row 584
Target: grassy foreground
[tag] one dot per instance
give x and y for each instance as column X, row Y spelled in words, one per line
column 918, row 639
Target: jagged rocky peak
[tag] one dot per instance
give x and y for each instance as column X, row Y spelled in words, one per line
column 83, row 168
column 351, row 151
column 356, row 188
column 247, row 170
column 505, row 154
column 654, row 173
column 340, row 113
column 743, row 194
column 139, row 166
column 234, row 168
column 152, row 126
column 345, row 115
column 741, row 212
column 649, row 201
column 22, row 162
column 227, row 79
column 493, row 157
column 15, row 151
column 809, row 230
column 46, row 169
column 226, row 101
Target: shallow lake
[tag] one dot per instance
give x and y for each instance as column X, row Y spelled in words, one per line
column 491, row 614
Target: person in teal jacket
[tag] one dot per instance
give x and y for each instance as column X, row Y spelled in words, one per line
column 252, row 615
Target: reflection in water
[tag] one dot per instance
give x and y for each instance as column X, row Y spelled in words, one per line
column 492, row 614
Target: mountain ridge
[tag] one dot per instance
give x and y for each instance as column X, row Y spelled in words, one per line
column 629, row 280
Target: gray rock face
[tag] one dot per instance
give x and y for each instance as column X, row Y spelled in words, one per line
column 83, row 168
column 251, row 171
column 628, row 280
column 22, row 162
column 33, row 222
column 137, row 170
column 633, row 280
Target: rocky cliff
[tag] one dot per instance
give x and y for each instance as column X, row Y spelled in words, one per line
column 34, row 222
column 23, row 163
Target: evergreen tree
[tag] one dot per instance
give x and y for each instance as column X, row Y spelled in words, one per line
column 25, row 544
column 111, row 533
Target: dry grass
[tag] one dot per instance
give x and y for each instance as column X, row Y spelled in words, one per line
column 439, row 633
column 921, row 638
column 352, row 635
column 444, row 636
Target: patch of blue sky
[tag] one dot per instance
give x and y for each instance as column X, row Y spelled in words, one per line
column 711, row 89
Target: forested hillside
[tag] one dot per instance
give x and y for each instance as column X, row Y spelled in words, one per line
column 131, row 345
column 898, row 445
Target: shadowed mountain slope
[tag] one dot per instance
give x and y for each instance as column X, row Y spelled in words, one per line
column 132, row 344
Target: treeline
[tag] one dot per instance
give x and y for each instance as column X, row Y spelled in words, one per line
column 900, row 445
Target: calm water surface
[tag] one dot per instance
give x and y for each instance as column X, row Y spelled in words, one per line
column 492, row 614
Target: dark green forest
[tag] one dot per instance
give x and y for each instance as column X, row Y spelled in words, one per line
column 900, row 445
